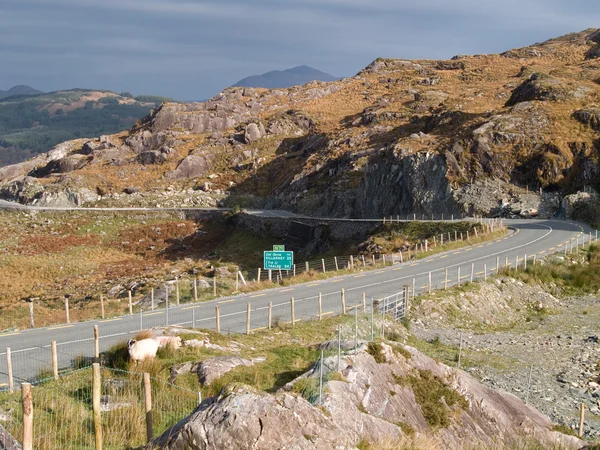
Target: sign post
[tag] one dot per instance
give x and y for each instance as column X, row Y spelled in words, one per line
column 278, row 260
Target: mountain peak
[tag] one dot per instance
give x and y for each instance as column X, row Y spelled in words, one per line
column 285, row 78
column 20, row 89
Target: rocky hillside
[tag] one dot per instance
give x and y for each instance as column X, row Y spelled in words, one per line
column 477, row 134
column 32, row 122
column 383, row 396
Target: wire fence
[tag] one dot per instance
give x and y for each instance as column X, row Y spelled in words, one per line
column 35, row 363
column 64, row 410
column 38, row 313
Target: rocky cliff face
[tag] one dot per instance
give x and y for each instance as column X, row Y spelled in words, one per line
column 400, row 137
column 386, row 394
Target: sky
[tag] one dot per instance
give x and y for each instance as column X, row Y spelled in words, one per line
column 191, row 50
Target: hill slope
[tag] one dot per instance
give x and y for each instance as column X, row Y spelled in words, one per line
column 475, row 134
column 295, row 76
column 32, row 122
column 19, row 90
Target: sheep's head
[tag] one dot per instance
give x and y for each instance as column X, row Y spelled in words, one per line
column 130, row 342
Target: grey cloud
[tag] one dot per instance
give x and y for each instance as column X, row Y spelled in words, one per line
column 191, row 49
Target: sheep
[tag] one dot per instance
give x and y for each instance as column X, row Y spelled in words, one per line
column 173, row 341
column 140, row 350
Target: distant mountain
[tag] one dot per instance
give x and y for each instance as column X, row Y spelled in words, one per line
column 286, row 78
column 21, row 89
column 32, row 122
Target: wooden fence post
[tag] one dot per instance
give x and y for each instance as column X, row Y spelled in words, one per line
column 54, row 361
column 27, row 401
column 67, row 315
column 195, row 290
column 96, row 343
column 215, row 284
column 31, row 318
column 218, row 318
column 258, row 276
column 343, row 295
column 96, row 393
column 351, row 262
column 11, row 381
column 323, row 263
column 152, row 299
column 337, row 268
column 177, row 290
column 148, row 404
column 130, row 303
column 102, row 306
column 364, row 303
column 292, row 311
column 248, row 309
column 270, row 318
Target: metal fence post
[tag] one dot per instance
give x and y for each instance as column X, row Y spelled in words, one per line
column 11, row 380
column 372, row 321
column 320, row 306
column 355, row 329
column 460, row 350
column 270, row 315
column 248, row 309
column 528, row 385
column 321, row 380
column 339, row 347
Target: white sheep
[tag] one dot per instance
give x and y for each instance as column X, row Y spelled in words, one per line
column 140, row 350
column 173, row 341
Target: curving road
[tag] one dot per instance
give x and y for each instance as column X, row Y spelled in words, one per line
column 31, row 348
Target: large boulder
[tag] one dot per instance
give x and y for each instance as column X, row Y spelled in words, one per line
column 193, row 166
column 383, row 393
column 214, row 368
column 543, row 87
column 589, row 117
column 254, row 132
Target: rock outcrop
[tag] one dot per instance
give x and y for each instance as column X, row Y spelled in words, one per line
column 401, row 137
column 385, row 393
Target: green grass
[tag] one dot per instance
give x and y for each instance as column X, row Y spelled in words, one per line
column 437, row 400
column 573, row 279
column 375, row 349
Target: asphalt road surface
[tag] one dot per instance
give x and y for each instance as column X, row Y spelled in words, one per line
column 31, row 348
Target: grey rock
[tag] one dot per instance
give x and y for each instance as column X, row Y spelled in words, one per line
column 254, row 132
column 214, row 368
column 193, row 166
column 132, row 190
column 589, row 116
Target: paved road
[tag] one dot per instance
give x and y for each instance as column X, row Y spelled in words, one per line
column 31, row 349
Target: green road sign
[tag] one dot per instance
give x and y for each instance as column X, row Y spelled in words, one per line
column 278, row 260
column 279, row 248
